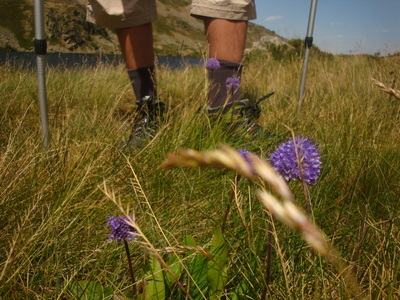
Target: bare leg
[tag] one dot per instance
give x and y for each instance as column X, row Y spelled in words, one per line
column 137, row 45
column 138, row 51
column 226, row 38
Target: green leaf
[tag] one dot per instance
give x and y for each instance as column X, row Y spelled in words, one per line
column 89, row 290
column 189, row 241
column 240, row 291
column 198, row 272
column 154, row 288
column 217, row 267
column 176, row 266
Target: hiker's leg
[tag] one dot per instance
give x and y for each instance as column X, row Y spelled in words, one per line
column 137, row 48
column 137, row 45
column 132, row 20
column 226, row 38
column 226, row 30
column 226, row 42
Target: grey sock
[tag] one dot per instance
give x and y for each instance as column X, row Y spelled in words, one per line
column 219, row 95
column 143, row 82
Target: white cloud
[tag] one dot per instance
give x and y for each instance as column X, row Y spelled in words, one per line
column 273, row 18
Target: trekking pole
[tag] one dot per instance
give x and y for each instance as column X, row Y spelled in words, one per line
column 40, row 51
column 308, row 44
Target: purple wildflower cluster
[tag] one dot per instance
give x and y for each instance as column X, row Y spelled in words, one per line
column 232, row 83
column 120, row 229
column 212, row 64
column 245, row 155
column 284, row 160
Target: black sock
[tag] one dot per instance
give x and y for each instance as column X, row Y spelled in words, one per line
column 143, row 82
column 219, row 95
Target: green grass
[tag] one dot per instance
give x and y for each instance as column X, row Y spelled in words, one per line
column 53, row 204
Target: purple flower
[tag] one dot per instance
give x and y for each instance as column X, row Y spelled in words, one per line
column 212, row 64
column 120, row 229
column 245, row 155
column 232, row 83
column 285, row 161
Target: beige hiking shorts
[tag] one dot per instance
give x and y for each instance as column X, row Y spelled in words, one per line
column 127, row 13
column 239, row 10
column 121, row 13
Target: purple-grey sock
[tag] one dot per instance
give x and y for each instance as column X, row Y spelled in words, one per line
column 219, row 94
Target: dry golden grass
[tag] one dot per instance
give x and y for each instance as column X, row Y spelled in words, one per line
column 54, row 209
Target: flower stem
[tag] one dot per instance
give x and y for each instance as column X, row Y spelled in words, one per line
column 269, row 260
column 307, row 196
column 228, row 208
column 131, row 272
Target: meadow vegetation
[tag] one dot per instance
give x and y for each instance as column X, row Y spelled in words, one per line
column 55, row 202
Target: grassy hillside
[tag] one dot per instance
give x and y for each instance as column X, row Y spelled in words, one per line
column 55, row 203
column 176, row 33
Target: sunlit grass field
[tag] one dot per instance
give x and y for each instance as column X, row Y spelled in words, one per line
column 55, row 202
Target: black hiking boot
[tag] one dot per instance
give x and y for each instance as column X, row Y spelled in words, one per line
column 247, row 113
column 241, row 117
column 148, row 113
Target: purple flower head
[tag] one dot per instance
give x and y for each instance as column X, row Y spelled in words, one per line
column 245, row 155
column 120, row 229
column 232, row 83
column 212, row 64
column 284, row 160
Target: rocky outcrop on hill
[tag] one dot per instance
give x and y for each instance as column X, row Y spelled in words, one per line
column 7, row 40
column 70, row 31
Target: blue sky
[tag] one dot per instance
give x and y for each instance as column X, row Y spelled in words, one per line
column 341, row 26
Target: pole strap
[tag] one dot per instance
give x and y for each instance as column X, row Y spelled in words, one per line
column 308, row 41
column 40, row 47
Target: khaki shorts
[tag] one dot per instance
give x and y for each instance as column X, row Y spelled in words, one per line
column 121, row 13
column 239, row 10
column 127, row 13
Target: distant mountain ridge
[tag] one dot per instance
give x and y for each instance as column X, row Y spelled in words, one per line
column 176, row 33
